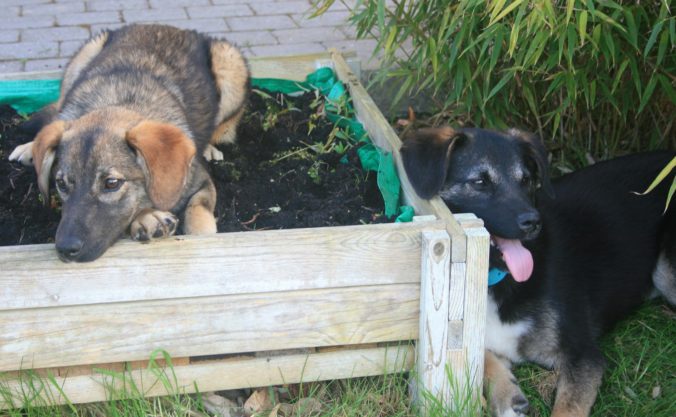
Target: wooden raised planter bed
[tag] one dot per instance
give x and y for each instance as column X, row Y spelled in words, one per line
column 341, row 292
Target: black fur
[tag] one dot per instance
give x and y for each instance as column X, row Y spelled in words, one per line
column 595, row 247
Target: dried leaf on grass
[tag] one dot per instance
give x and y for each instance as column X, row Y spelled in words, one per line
column 221, row 406
column 259, row 401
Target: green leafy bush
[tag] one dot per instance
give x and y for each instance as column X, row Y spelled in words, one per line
column 590, row 76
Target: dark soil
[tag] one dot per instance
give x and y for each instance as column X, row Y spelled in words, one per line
column 276, row 176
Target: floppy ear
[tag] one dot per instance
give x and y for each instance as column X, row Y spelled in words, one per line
column 168, row 153
column 535, row 150
column 425, row 155
column 44, row 151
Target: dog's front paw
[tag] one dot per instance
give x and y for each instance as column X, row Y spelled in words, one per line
column 153, row 224
column 23, row 153
column 516, row 406
column 212, row 154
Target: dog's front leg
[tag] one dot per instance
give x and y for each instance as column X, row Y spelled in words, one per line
column 577, row 386
column 501, row 389
column 199, row 213
column 152, row 224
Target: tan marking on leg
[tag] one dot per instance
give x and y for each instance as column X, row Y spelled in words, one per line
column 226, row 132
column 199, row 214
column 576, row 390
column 503, row 393
column 78, row 63
column 232, row 77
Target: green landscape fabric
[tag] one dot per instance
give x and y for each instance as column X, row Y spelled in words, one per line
column 27, row 96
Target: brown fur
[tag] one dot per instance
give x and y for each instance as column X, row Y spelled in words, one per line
column 137, row 104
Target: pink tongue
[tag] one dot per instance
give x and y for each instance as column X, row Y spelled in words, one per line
column 518, row 259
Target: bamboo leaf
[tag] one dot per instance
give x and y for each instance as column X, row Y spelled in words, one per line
column 570, row 4
column 505, row 11
column 653, row 38
column 647, row 93
column 662, row 48
column 608, row 20
column 504, row 80
column 661, row 176
column 632, row 30
column 667, row 88
column 582, row 25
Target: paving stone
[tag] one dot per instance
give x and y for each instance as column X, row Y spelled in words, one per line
column 23, row 2
column 248, row 38
column 10, row 22
column 202, row 25
column 7, row 36
column 53, row 8
column 68, row 48
column 337, row 18
column 88, row 18
column 46, row 64
column 28, row 50
column 260, row 22
column 10, row 66
column 281, row 7
column 55, row 34
column 153, row 15
column 304, row 35
column 291, row 49
column 161, row 4
column 107, row 5
column 220, row 11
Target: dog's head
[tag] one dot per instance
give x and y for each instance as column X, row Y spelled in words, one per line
column 107, row 167
column 491, row 174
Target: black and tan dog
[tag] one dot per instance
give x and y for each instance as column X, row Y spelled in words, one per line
column 579, row 253
column 138, row 107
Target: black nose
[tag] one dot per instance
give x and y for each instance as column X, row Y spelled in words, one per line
column 69, row 247
column 529, row 222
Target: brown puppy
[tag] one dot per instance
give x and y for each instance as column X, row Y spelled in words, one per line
column 137, row 105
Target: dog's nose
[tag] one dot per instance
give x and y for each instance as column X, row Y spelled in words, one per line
column 529, row 222
column 69, row 247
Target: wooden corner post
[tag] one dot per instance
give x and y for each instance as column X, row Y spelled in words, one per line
column 434, row 306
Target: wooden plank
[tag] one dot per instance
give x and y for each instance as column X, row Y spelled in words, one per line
column 118, row 332
column 433, row 328
column 474, row 330
column 229, row 263
column 385, row 137
column 231, row 374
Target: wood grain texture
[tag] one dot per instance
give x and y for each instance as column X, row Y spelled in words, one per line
column 116, row 332
column 238, row 373
column 434, row 302
column 385, row 137
column 474, row 330
column 228, row 263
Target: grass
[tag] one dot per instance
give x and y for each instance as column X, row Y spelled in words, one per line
column 640, row 379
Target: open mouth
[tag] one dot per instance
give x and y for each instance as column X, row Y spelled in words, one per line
column 517, row 259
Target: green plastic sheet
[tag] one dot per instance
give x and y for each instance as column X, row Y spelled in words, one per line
column 27, row 96
column 371, row 157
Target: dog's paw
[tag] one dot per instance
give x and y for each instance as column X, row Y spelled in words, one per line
column 153, row 224
column 23, row 153
column 516, row 406
column 212, row 154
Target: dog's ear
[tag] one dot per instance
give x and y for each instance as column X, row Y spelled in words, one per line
column 426, row 154
column 44, row 152
column 167, row 153
column 535, row 150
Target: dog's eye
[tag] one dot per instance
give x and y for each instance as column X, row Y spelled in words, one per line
column 112, row 184
column 480, row 183
column 61, row 185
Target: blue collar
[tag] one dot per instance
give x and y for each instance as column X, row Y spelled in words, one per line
column 496, row 275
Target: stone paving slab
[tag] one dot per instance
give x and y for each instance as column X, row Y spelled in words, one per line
column 44, row 34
